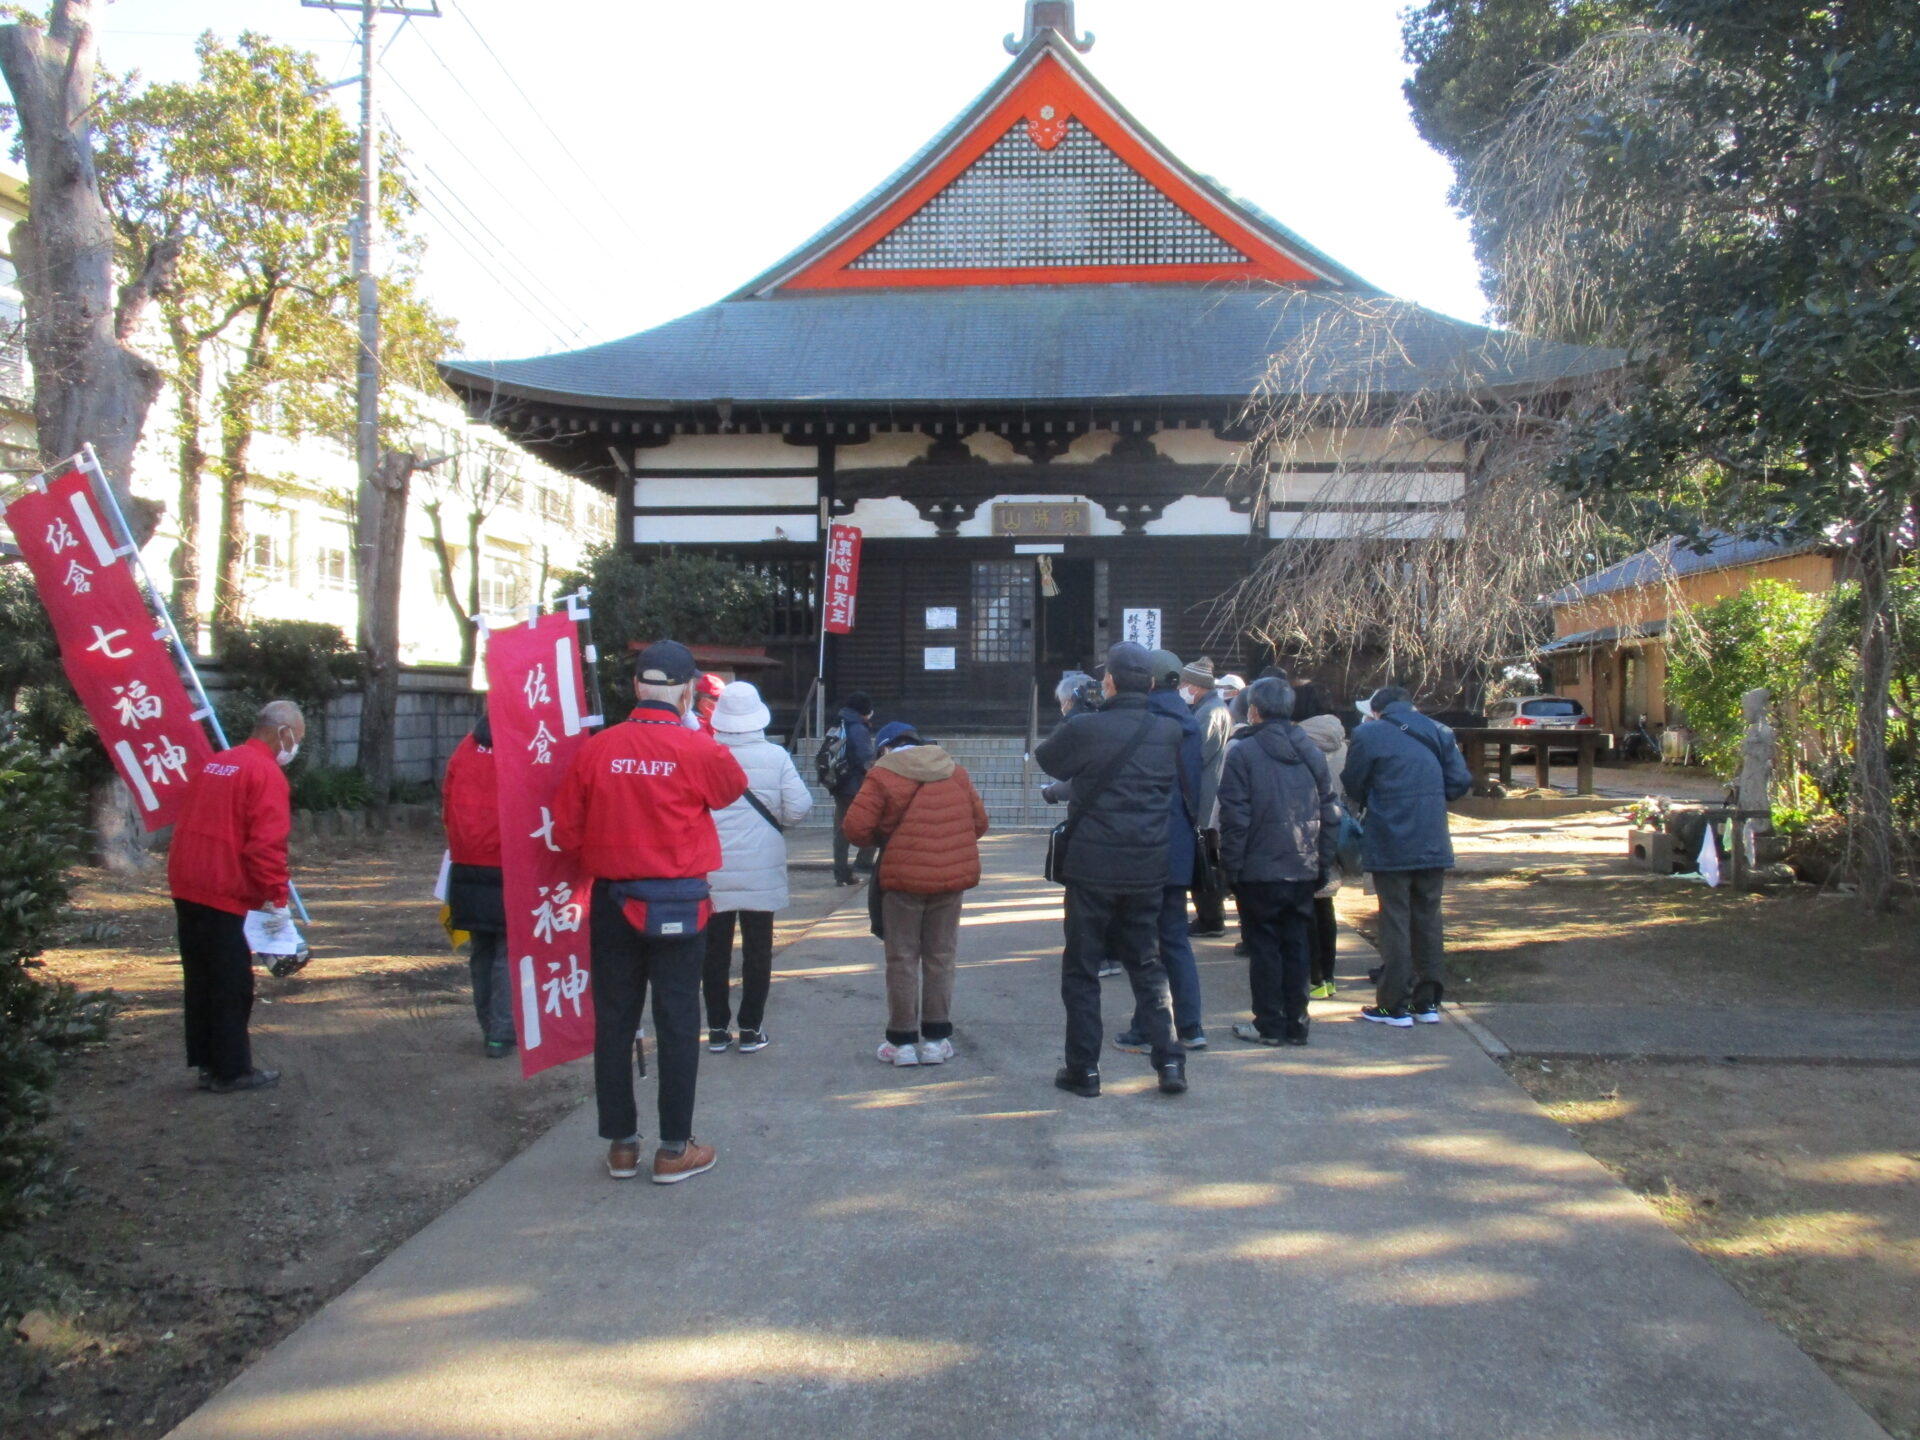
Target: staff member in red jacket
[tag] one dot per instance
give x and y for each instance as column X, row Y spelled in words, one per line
column 229, row 856
column 636, row 806
column 470, row 810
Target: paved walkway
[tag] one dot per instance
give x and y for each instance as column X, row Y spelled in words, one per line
column 1734, row 1032
column 1376, row 1236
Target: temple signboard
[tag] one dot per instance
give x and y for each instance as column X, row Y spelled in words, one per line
column 1051, row 518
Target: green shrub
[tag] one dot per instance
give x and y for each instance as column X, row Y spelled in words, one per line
column 299, row 660
column 39, row 842
column 325, row 787
column 695, row 599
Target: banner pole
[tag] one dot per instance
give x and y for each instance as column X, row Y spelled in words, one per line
column 103, row 489
column 820, row 668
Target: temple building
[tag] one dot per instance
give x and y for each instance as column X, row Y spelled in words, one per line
column 1022, row 367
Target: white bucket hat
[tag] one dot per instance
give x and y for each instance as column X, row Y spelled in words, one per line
column 740, row 709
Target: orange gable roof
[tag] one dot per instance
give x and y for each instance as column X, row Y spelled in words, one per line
column 1048, row 182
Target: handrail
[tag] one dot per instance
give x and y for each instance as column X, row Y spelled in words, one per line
column 800, row 721
column 1033, row 743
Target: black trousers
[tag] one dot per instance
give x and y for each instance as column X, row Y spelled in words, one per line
column 1279, row 918
column 625, row 965
column 756, row 967
column 842, row 867
column 1123, row 925
column 1326, row 938
column 216, row 971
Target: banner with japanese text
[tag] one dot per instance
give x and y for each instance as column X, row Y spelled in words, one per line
column 113, row 648
column 535, row 703
column 843, row 577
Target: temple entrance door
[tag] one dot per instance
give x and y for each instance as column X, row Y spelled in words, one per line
column 1065, row 633
column 1000, row 648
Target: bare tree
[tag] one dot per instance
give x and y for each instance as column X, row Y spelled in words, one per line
column 89, row 384
column 470, row 485
column 1362, row 431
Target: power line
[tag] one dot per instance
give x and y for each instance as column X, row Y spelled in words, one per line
column 507, row 140
column 506, row 251
column 450, row 225
column 540, row 115
column 572, row 318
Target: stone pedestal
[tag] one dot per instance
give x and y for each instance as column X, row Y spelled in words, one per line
column 1651, row 850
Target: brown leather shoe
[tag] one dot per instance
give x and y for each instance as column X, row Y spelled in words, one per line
column 696, row 1159
column 623, row 1159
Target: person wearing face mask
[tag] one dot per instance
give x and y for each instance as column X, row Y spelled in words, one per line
column 229, row 856
column 1199, row 690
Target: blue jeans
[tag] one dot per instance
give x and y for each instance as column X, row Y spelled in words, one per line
column 1183, row 975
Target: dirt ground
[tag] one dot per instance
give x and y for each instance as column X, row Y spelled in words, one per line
column 197, row 1229
column 1799, row 1183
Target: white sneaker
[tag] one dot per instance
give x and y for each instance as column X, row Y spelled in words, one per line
column 935, row 1052
column 891, row 1054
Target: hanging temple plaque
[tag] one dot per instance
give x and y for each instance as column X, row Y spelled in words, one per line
column 1050, row 518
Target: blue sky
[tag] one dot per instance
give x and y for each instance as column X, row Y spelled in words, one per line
column 594, row 167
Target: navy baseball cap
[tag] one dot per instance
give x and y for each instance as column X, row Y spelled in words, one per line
column 1130, row 658
column 665, row 662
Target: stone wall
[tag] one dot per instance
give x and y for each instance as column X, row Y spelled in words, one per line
column 437, row 708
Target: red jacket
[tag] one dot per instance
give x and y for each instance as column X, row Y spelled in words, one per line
column 636, row 803
column 229, row 847
column 470, row 805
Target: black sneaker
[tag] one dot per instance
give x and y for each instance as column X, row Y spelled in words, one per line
column 1085, row 1083
column 1399, row 1019
column 255, row 1079
column 1240, row 948
column 1173, row 1077
column 1208, row 934
column 1196, row 1041
column 1297, row 1034
column 1251, row 1034
column 718, row 1040
column 1373, row 975
column 752, row 1040
column 499, row 1049
column 1133, row 1042
column 1426, row 1015
column 1109, row 968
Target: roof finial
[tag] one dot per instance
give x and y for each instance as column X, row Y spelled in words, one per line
column 1050, row 15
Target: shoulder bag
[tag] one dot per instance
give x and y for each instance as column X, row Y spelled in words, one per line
column 1206, row 878
column 1055, row 867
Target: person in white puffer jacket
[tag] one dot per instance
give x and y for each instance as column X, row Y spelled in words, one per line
column 752, row 879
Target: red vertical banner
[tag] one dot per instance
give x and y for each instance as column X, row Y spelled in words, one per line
column 112, row 646
column 536, row 703
column 843, row 577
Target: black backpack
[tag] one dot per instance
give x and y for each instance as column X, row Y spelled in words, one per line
column 832, row 764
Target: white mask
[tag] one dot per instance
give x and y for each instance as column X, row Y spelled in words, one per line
column 285, row 757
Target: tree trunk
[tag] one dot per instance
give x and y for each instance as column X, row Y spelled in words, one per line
column 1872, row 793
column 444, row 557
column 469, row 642
column 193, row 465
column 88, row 385
column 380, row 543
column 238, row 397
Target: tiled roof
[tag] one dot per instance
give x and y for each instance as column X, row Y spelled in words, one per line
column 1675, row 557
column 1038, row 343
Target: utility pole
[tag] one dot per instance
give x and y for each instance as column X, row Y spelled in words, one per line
column 380, row 514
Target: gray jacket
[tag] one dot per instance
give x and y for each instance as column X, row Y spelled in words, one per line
column 1278, row 820
column 1216, row 728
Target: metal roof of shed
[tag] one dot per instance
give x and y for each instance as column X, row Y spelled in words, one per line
column 1675, row 557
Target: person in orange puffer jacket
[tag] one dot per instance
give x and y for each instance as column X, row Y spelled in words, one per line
column 923, row 808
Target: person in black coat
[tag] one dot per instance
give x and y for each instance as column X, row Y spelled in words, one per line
column 1123, row 761
column 1279, row 828
column 856, row 715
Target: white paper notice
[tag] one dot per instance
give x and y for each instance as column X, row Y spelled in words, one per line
column 261, row 943
column 941, row 657
column 1142, row 627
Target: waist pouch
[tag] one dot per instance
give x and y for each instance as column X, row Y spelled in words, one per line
column 668, row 909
